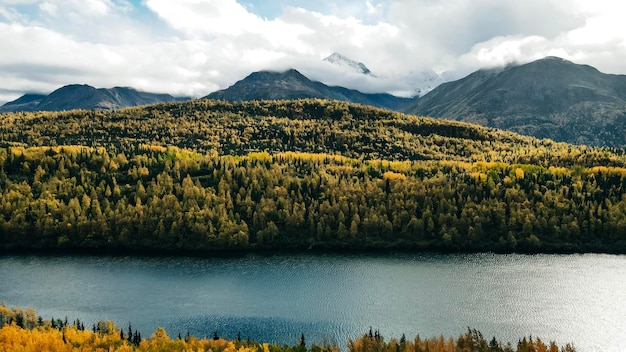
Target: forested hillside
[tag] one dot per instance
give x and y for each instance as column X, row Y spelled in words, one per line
column 206, row 175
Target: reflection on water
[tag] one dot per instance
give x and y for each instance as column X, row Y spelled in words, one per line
column 567, row 298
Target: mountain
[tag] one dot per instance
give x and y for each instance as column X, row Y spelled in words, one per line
column 548, row 98
column 77, row 96
column 291, row 84
column 411, row 83
column 422, row 82
column 345, row 62
column 27, row 102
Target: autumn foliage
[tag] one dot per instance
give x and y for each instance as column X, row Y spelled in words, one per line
column 206, row 175
column 23, row 331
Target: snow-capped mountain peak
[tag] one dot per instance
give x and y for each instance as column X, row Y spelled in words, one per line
column 422, row 82
column 406, row 84
column 342, row 61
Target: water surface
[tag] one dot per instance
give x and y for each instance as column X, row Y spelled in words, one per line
column 567, row 298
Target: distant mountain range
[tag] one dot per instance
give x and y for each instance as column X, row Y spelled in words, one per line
column 291, row 84
column 548, row 98
column 81, row 96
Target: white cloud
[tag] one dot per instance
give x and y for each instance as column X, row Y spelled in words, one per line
column 193, row 47
column 208, row 17
column 49, row 8
column 10, row 14
column 599, row 30
column 500, row 51
column 19, row 2
column 600, row 40
column 91, row 8
column 46, row 60
column 227, row 22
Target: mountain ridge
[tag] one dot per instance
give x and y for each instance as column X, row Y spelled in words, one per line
column 291, row 84
column 83, row 96
column 547, row 98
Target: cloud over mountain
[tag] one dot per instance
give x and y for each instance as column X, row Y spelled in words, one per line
column 193, row 47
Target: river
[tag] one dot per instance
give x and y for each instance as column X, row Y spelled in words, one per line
column 332, row 297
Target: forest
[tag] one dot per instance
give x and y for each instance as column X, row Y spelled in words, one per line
column 23, row 330
column 307, row 174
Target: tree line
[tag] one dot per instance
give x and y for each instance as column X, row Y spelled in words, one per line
column 32, row 333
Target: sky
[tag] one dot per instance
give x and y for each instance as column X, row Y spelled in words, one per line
column 194, row 47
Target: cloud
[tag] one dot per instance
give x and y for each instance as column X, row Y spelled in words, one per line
column 45, row 60
column 442, row 31
column 209, row 18
column 49, row 8
column 193, row 47
column 10, row 14
column 600, row 40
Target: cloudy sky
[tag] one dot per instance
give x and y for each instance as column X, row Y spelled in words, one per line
column 194, row 47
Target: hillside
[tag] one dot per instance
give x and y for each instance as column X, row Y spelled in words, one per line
column 308, row 125
column 549, row 98
column 77, row 96
column 212, row 175
column 291, row 84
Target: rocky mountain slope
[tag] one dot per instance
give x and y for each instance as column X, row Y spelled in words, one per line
column 77, row 96
column 291, row 84
column 548, row 98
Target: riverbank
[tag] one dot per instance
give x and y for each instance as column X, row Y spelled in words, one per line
column 25, row 331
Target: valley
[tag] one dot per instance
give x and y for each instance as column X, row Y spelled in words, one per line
column 312, row 176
